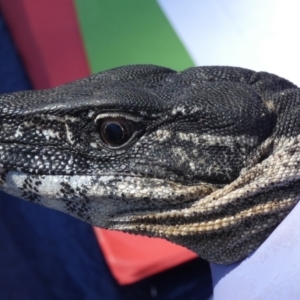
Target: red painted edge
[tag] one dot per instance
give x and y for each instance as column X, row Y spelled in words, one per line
column 43, row 31
column 132, row 257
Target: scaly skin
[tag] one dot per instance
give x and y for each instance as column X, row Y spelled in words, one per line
column 207, row 158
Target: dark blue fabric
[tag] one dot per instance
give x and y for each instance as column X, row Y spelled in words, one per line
column 12, row 74
column 45, row 254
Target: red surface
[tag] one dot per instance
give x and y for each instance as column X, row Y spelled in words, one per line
column 47, row 35
column 132, row 258
column 48, row 38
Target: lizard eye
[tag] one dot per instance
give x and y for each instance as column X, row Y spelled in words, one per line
column 115, row 132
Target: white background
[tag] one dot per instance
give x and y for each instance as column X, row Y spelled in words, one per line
column 259, row 35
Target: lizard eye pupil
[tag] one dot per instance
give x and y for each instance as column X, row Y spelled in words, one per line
column 115, row 132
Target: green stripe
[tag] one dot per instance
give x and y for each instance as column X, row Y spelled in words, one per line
column 119, row 32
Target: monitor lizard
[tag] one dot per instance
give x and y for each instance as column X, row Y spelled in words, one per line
column 207, row 158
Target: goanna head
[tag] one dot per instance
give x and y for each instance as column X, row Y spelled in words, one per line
column 147, row 150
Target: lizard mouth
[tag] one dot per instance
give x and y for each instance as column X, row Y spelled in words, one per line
column 94, row 197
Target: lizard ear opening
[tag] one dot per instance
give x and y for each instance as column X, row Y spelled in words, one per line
column 266, row 152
